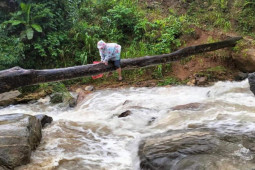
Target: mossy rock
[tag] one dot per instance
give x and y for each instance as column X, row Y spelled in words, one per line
column 56, row 98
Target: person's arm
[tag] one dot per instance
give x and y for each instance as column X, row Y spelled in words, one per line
column 105, row 61
column 104, row 58
column 101, row 55
column 108, row 55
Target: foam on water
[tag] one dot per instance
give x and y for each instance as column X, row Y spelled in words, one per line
column 91, row 136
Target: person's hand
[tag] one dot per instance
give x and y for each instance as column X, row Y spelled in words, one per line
column 106, row 63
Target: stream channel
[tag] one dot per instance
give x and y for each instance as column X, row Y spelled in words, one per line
column 91, row 136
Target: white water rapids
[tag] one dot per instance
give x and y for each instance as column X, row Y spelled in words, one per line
column 92, row 137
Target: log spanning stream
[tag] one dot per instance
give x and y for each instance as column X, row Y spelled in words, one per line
column 91, row 136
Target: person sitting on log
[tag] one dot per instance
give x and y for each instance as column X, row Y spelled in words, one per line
column 110, row 52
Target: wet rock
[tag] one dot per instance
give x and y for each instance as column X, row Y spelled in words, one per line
column 241, row 76
column 71, row 99
column 31, row 97
column 190, row 106
column 32, row 102
column 56, row 98
column 72, row 102
column 81, row 95
column 89, row 88
column 44, row 119
column 126, row 102
column 125, row 114
column 194, row 149
column 151, row 121
column 191, row 82
column 251, row 79
column 245, row 60
column 66, row 98
column 8, row 98
column 20, row 134
column 201, row 80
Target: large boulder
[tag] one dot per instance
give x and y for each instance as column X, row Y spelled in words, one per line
column 20, row 134
column 15, row 97
column 251, row 79
column 194, row 149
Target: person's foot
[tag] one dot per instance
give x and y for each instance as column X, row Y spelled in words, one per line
column 120, row 78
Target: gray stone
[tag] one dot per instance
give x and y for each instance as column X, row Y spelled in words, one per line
column 201, row 80
column 193, row 149
column 125, row 114
column 8, row 98
column 89, row 88
column 20, row 134
column 56, row 98
column 44, row 119
column 241, row 76
column 72, row 102
column 251, row 79
column 72, row 99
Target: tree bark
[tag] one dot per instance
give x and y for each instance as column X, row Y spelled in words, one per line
column 18, row 77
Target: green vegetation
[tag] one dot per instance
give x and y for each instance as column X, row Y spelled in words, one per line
column 51, row 34
column 228, row 15
column 213, row 72
column 65, row 33
column 170, row 81
column 23, row 17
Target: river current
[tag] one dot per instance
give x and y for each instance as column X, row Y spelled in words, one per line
column 92, row 137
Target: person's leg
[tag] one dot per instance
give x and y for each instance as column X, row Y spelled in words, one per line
column 110, row 73
column 119, row 72
column 118, row 68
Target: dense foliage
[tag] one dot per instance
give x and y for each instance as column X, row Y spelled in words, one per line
column 60, row 33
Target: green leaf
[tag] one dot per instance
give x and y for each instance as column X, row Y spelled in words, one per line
column 15, row 22
column 30, row 33
column 37, row 27
column 19, row 13
column 23, row 7
column 23, row 34
column 6, row 22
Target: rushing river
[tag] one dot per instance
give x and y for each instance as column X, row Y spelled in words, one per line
column 92, row 137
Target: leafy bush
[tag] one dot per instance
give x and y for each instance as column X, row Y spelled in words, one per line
column 246, row 20
column 11, row 51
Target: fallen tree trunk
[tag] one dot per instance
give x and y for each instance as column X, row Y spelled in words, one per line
column 18, row 77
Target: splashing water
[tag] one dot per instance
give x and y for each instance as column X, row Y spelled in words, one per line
column 91, row 136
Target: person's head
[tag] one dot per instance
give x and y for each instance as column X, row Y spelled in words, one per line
column 101, row 44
